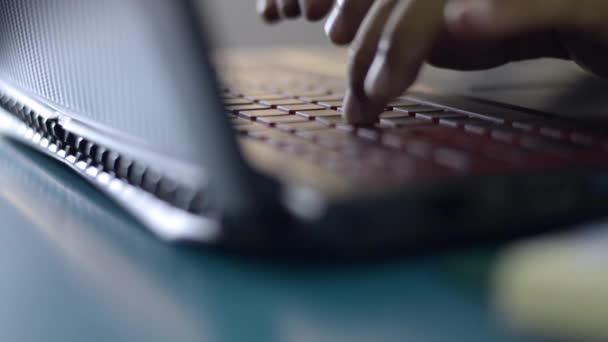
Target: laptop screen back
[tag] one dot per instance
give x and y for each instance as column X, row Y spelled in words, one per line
column 131, row 65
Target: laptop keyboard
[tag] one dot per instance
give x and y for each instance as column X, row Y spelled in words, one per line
column 302, row 116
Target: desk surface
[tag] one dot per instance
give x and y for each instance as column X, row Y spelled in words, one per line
column 75, row 267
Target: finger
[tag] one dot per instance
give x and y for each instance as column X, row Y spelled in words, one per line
column 407, row 40
column 362, row 51
column 358, row 110
column 500, row 17
column 268, row 10
column 288, row 8
column 315, row 9
column 343, row 22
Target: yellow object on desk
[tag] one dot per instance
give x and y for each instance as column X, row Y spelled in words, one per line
column 556, row 286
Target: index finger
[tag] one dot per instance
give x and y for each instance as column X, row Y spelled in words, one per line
column 407, row 41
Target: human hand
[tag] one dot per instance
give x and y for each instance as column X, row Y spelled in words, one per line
column 391, row 39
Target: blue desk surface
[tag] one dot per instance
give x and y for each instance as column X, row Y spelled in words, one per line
column 75, row 267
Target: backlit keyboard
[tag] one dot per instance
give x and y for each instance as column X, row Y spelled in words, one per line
column 301, row 115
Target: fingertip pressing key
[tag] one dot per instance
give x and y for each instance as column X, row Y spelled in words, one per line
column 360, row 111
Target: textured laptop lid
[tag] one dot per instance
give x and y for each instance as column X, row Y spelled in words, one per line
column 106, row 61
column 137, row 66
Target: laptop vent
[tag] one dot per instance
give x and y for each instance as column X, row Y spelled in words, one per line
column 80, row 150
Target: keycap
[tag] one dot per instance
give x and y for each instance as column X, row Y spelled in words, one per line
column 548, row 146
column 553, row 132
column 249, row 107
column 331, row 104
column 462, row 161
column 314, row 99
column 389, row 115
column 265, row 97
column 237, row 102
column 370, row 133
column 307, row 93
column 478, row 126
column 525, row 126
column 281, row 102
column 255, row 127
column 311, row 134
column 436, row 116
column 330, row 137
column 452, row 158
column 403, row 122
column 300, row 107
column 311, row 114
column 472, row 125
column 241, row 122
column 505, row 134
column 331, row 120
column 401, row 103
column 417, row 109
column 300, row 126
column 281, row 119
column 252, row 115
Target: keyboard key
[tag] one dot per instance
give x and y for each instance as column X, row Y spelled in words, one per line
column 525, row 126
column 452, row 158
column 281, row 102
column 248, row 107
column 237, row 102
column 389, row 115
column 312, row 114
column 555, row 133
column 300, row 108
column 241, row 122
column 479, row 127
column 307, row 93
column 265, row 97
column 395, row 138
column 315, row 99
column 401, row 103
column 281, row 119
column 436, row 116
column 417, row 109
column 549, row 146
column 252, row 129
column 505, row 134
column 254, row 114
column 503, row 118
column 403, row 122
column 472, row 125
column 331, row 120
column 331, row 104
column 301, row 126
column 370, row 133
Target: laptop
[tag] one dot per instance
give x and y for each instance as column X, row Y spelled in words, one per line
column 250, row 153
